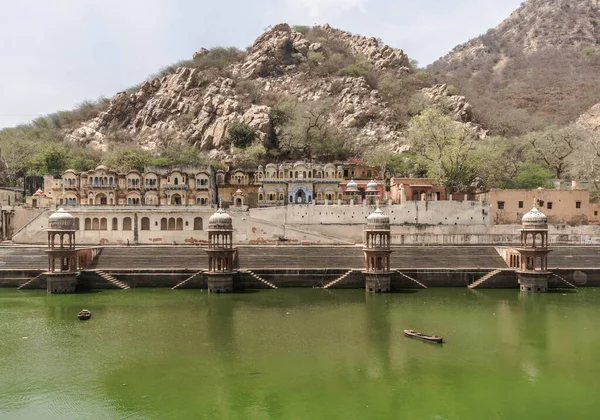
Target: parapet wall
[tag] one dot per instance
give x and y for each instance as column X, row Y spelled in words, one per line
column 412, row 223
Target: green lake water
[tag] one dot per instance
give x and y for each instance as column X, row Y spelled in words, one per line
column 300, row 354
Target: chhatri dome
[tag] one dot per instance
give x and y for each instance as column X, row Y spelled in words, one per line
column 61, row 219
column 378, row 217
column 372, row 185
column 220, row 220
column 352, row 186
column 534, row 218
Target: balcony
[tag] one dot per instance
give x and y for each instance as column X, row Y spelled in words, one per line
column 103, row 187
column 173, row 187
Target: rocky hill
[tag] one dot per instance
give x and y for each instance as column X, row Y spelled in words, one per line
column 540, row 66
column 352, row 88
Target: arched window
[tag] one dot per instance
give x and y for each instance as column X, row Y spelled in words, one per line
column 88, row 224
column 103, row 224
column 171, row 223
column 127, row 223
column 197, row 223
column 77, row 223
column 145, row 223
column 179, row 224
column 163, row 223
column 115, row 223
column 260, row 197
column 95, row 224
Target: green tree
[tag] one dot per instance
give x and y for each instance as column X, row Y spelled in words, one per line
column 446, row 148
column 241, row 135
column 127, row 159
column 530, row 175
column 50, row 160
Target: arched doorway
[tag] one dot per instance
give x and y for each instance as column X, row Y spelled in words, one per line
column 101, row 199
column 300, row 195
column 176, row 199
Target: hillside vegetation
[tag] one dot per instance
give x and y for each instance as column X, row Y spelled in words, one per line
column 539, row 67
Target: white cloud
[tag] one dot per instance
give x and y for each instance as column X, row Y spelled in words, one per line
column 317, row 7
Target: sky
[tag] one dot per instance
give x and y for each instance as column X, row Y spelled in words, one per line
column 55, row 54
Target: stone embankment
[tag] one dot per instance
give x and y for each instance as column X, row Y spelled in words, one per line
column 306, row 266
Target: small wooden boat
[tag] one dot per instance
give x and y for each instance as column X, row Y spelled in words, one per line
column 84, row 314
column 424, row 337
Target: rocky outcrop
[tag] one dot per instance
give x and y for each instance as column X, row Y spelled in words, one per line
column 457, row 105
column 382, row 56
column 590, row 121
column 195, row 107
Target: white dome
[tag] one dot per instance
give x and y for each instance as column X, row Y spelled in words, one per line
column 220, row 220
column 534, row 218
column 372, row 185
column 378, row 217
column 61, row 219
column 351, row 186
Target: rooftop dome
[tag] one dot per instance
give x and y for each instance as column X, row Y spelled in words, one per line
column 534, row 218
column 61, row 219
column 372, row 185
column 39, row 193
column 378, row 218
column 352, row 186
column 100, row 167
column 220, row 220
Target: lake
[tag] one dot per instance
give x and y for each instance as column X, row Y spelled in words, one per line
column 299, row 354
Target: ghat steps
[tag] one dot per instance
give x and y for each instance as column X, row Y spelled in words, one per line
column 411, row 279
column 27, row 284
column 260, row 279
column 190, row 278
column 568, row 283
column 111, row 279
column 338, row 280
column 484, row 279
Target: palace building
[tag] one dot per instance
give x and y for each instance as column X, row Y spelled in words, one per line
column 298, row 183
column 155, row 186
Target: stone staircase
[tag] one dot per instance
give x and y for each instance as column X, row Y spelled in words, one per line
column 338, row 280
column 411, row 279
column 190, row 278
column 259, row 278
column 30, row 282
column 483, row 279
column 111, row 279
column 568, row 283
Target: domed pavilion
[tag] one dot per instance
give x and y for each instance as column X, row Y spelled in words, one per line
column 62, row 255
column 377, row 249
column 220, row 252
column 533, row 252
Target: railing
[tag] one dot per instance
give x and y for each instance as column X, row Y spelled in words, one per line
column 299, row 180
column 100, row 187
column 136, row 207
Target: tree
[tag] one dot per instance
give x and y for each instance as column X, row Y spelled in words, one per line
column 50, row 160
column 380, row 158
column 127, row 159
column 554, row 147
column 307, row 124
column 241, row 135
column 530, row 175
column 446, row 148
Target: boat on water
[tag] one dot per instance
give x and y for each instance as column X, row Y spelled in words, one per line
column 425, row 337
column 84, row 314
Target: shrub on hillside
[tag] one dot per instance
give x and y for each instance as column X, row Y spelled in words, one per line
column 240, row 135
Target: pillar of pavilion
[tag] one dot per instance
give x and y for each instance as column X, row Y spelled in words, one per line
column 220, row 252
column 377, row 249
column 533, row 252
column 61, row 276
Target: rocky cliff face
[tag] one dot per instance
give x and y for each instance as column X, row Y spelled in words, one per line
column 183, row 107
